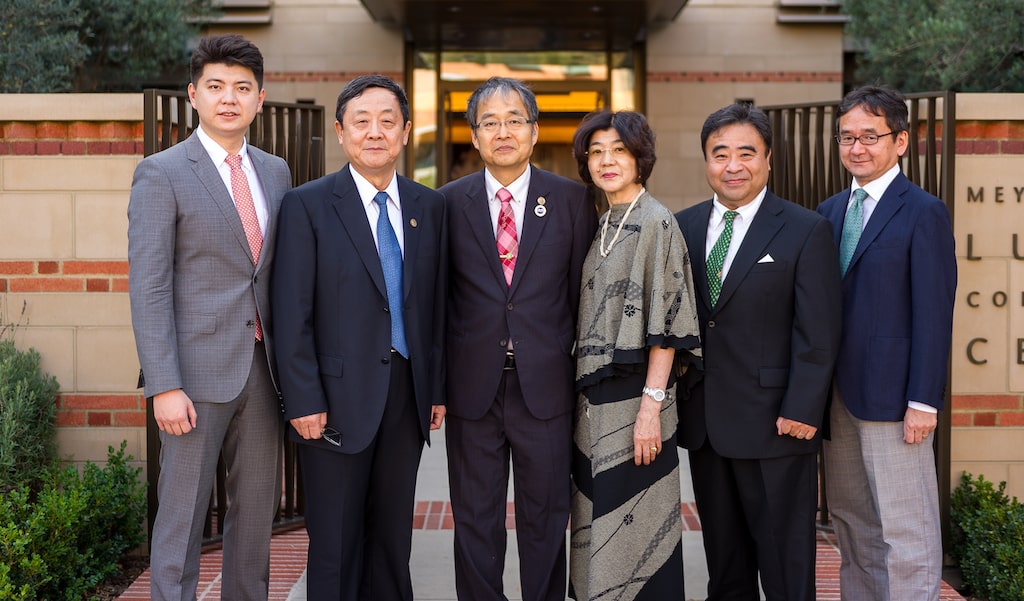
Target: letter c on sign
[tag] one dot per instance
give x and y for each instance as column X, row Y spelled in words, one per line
column 970, row 351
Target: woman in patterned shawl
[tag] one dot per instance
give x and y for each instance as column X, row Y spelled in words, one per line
column 637, row 329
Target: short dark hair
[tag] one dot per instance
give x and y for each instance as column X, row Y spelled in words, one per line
column 636, row 135
column 503, row 86
column 229, row 49
column 357, row 86
column 737, row 113
column 879, row 101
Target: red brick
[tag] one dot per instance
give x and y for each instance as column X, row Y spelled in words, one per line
column 19, row 130
column 986, row 401
column 986, row 147
column 46, row 285
column 1016, row 130
column 115, row 130
column 3, row 285
column 984, row 418
column 93, row 267
column 73, row 147
column 17, row 267
column 966, row 130
column 48, row 147
column 1012, row 147
column 70, row 418
column 960, row 419
column 140, row 147
column 997, row 130
column 51, row 130
column 138, row 129
column 5, row 148
column 129, row 418
column 23, row 148
column 119, row 285
column 97, row 147
column 98, row 418
column 49, row 267
column 1011, row 418
column 84, row 129
column 122, row 147
column 97, row 285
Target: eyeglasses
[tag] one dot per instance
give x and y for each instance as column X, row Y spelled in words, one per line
column 865, row 139
column 511, row 124
column 331, row 435
column 614, row 152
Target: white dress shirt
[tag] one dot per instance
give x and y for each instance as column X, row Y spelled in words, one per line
column 518, row 189
column 219, row 157
column 366, row 193
column 740, row 225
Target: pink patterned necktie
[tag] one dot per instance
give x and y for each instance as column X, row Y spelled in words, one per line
column 247, row 212
column 508, row 242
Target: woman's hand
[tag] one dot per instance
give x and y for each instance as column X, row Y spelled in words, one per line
column 647, row 431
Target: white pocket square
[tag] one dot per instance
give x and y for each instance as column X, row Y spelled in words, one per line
column 766, row 259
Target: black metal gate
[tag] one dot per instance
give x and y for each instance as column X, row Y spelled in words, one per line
column 295, row 132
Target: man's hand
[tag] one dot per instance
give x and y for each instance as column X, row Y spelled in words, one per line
column 917, row 425
column 174, row 412
column 437, row 413
column 795, row 429
column 310, row 427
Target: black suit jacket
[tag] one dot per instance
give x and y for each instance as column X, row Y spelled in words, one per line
column 771, row 341
column 334, row 331
column 538, row 311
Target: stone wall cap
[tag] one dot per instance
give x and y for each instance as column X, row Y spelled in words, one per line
column 71, row 107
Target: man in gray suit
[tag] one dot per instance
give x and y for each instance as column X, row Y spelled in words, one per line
column 201, row 224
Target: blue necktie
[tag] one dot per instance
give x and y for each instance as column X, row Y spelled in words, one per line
column 852, row 227
column 391, row 263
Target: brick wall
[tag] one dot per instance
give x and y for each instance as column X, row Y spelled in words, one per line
column 66, row 163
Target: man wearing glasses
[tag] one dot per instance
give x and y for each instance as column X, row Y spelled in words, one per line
column 899, row 276
column 518, row 237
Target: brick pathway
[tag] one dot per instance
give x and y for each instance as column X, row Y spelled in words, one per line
column 288, row 558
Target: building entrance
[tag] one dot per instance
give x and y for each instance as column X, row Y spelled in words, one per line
column 568, row 85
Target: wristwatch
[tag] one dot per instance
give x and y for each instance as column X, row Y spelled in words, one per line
column 658, row 394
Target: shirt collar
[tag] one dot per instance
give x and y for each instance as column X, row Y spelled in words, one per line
column 217, row 152
column 518, row 188
column 367, row 190
column 747, row 211
column 877, row 188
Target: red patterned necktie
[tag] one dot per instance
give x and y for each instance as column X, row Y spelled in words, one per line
column 247, row 212
column 508, row 242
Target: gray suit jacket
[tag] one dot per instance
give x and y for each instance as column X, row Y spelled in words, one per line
column 193, row 286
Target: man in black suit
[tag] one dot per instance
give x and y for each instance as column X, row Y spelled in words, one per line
column 768, row 303
column 360, row 280
column 518, row 239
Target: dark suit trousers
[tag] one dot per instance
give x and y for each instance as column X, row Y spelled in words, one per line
column 478, row 470
column 757, row 516
column 359, row 506
column 247, row 430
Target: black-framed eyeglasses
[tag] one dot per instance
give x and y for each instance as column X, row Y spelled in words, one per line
column 331, row 435
column 511, row 124
column 865, row 139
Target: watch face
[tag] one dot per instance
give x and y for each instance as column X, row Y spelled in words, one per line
column 659, row 395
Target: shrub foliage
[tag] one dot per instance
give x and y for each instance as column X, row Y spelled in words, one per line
column 27, row 408
column 988, row 539
column 64, row 540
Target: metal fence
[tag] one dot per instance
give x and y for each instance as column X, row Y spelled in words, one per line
column 295, row 132
column 806, row 170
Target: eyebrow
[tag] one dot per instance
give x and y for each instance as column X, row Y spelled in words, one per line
column 613, row 142
column 718, row 147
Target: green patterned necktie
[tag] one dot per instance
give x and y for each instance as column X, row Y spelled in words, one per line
column 717, row 258
column 852, row 227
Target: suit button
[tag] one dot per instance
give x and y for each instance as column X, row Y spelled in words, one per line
column 711, row 323
column 509, row 306
column 250, row 324
column 385, row 360
column 255, row 279
column 387, row 310
column 503, row 343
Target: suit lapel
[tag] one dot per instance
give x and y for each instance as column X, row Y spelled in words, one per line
column 207, row 173
column 412, row 210
column 273, row 203
column 533, row 225
column 475, row 207
column 698, row 232
column 352, row 214
column 890, row 204
column 765, row 226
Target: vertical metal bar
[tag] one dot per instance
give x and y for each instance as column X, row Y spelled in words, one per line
column 943, row 441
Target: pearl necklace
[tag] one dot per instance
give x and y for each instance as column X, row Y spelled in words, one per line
column 608, row 217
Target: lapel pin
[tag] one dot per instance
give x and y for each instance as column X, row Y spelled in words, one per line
column 540, row 210
column 412, row 222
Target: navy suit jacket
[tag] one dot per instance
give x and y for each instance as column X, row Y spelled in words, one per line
column 334, row 332
column 538, row 311
column 770, row 342
column 897, row 303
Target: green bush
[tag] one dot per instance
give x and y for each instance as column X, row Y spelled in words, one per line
column 988, row 539
column 27, row 409
column 64, row 540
